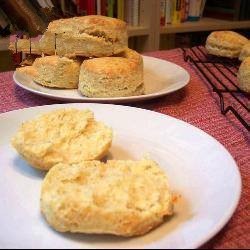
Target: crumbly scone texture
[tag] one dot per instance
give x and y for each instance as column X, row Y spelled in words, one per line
column 57, row 72
column 126, row 198
column 112, row 76
column 62, row 136
column 244, row 75
column 29, row 71
column 245, row 52
column 225, row 43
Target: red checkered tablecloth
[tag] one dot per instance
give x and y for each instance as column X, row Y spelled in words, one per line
column 196, row 104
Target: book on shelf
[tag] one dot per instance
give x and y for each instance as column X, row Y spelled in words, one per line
column 135, row 13
column 176, row 12
column 120, row 9
column 162, row 12
column 168, row 11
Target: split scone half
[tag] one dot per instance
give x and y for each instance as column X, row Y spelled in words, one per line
column 225, row 43
column 118, row 76
column 62, row 136
column 125, row 198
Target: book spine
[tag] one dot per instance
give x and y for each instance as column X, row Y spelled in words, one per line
column 111, row 8
column 194, row 10
column 104, row 7
column 177, row 12
column 120, row 9
column 142, row 12
column 183, row 9
column 186, row 9
column 90, row 7
column 129, row 12
column 168, row 12
column 98, row 7
column 135, row 18
column 162, row 12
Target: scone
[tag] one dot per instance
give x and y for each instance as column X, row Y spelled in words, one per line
column 245, row 52
column 112, row 76
column 55, row 72
column 225, row 43
column 244, row 75
column 88, row 36
column 29, row 71
column 62, row 136
column 126, row 198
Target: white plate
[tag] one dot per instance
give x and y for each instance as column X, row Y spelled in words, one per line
column 160, row 78
column 199, row 168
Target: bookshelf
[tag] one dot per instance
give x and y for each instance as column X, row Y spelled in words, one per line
column 205, row 24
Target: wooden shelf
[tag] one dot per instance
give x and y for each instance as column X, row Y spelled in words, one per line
column 138, row 31
column 4, row 43
column 205, row 24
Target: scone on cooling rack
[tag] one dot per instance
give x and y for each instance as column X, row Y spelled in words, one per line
column 125, row 198
column 245, row 52
column 112, row 76
column 225, row 43
column 54, row 72
column 244, row 75
column 62, row 136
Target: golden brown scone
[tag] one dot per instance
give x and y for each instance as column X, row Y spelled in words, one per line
column 225, row 43
column 87, row 36
column 62, row 136
column 245, row 52
column 29, row 71
column 57, row 72
column 244, row 75
column 126, row 198
column 112, row 76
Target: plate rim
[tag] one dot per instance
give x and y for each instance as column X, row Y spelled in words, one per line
column 228, row 213
column 111, row 99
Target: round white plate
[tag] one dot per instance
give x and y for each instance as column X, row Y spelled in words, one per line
column 199, row 169
column 160, row 77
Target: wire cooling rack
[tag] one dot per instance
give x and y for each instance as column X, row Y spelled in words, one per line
column 221, row 74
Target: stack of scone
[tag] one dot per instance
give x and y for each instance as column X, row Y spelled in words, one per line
column 89, row 53
column 232, row 45
column 82, row 194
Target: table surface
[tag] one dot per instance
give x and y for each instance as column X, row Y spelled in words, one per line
column 195, row 104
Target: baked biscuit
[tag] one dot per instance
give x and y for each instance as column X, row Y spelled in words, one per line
column 225, row 43
column 29, row 71
column 88, row 36
column 54, row 72
column 126, row 198
column 62, row 136
column 244, row 75
column 112, row 76
column 245, row 52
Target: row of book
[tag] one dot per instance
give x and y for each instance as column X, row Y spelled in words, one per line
column 177, row 11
